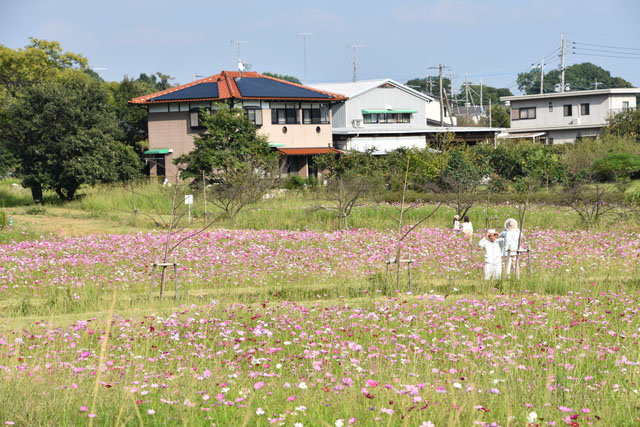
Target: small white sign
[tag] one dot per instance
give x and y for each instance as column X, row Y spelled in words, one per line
column 188, row 199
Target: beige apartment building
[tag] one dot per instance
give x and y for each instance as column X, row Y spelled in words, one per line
column 295, row 118
column 561, row 117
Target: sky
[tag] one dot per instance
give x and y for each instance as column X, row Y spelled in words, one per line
column 492, row 39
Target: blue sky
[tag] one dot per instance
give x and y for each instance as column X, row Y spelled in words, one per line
column 494, row 39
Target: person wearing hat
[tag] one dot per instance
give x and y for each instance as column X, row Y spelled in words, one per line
column 492, row 245
column 513, row 242
column 456, row 223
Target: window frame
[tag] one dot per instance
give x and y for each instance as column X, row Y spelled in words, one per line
column 257, row 115
column 525, row 113
column 585, row 110
column 290, row 116
column 198, row 113
column 567, row 110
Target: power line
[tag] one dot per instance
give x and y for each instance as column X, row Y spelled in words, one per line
column 611, row 47
column 606, row 51
column 607, row 56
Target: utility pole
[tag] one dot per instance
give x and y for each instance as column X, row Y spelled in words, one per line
column 481, row 102
column 466, row 92
column 542, row 76
column 562, row 62
column 354, row 47
column 490, row 124
column 440, row 68
column 304, row 50
column 596, row 83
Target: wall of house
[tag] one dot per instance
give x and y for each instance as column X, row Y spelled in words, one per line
column 297, row 135
column 600, row 106
column 433, row 113
column 383, row 99
column 385, row 144
column 170, row 130
column 570, row 135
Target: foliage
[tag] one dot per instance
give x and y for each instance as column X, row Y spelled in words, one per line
column 578, row 76
column 583, row 154
column 488, row 93
column 237, row 163
column 37, row 62
column 64, row 136
column 625, row 123
column 284, row 77
column 500, row 117
column 460, row 179
column 358, row 162
column 617, row 165
column 432, row 85
column 157, row 81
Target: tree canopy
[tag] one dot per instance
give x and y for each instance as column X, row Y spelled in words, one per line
column 63, row 136
column 285, row 77
column 579, row 77
column 430, row 84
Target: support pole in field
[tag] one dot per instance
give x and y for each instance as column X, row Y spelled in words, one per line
column 163, row 266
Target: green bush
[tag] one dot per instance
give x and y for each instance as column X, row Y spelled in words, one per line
column 295, row 182
column 3, row 220
column 615, row 165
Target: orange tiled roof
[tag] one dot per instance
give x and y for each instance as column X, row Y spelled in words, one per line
column 307, row 151
column 227, row 89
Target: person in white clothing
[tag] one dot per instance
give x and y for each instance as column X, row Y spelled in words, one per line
column 492, row 245
column 513, row 242
column 456, row 223
column 467, row 227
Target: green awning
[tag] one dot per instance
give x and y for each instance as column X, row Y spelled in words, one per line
column 275, row 144
column 387, row 111
column 158, row 151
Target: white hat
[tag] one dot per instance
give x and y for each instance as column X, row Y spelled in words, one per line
column 491, row 231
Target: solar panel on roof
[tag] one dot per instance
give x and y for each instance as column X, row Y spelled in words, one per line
column 199, row 91
column 260, row 87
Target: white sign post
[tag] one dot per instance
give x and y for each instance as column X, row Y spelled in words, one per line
column 188, row 200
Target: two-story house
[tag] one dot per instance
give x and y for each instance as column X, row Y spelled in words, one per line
column 295, row 118
column 379, row 114
column 562, row 117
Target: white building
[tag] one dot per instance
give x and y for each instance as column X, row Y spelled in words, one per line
column 562, row 117
column 380, row 114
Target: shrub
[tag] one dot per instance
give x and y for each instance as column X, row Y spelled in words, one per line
column 295, row 182
column 615, row 165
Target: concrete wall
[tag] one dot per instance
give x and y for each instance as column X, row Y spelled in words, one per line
column 170, row 130
column 384, row 144
column 297, row 135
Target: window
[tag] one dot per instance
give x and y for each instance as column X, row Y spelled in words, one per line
column 315, row 114
column 584, row 109
column 286, row 115
column 195, row 118
column 551, row 107
column 387, row 118
column 254, row 115
column 625, row 105
column 528, row 113
column 568, row 112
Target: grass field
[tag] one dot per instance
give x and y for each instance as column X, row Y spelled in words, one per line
column 284, row 320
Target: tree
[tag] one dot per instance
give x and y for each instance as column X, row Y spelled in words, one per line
column 157, row 81
column 430, row 84
column 625, row 123
column 285, row 77
column 350, row 177
column 63, row 136
column 488, row 93
column 234, row 161
column 461, row 179
column 500, row 116
column 37, row 62
column 579, row 76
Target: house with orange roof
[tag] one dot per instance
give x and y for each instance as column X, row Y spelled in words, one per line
column 295, row 118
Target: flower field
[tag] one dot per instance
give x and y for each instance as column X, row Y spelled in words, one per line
column 267, row 257
column 516, row 358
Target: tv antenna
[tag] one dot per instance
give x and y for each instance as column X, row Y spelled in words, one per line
column 354, row 47
column 195, row 76
column 304, row 50
column 239, row 43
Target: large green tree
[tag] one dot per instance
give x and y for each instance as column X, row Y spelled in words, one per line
column 579, row 77
column 488, row 93
column 63, row 135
